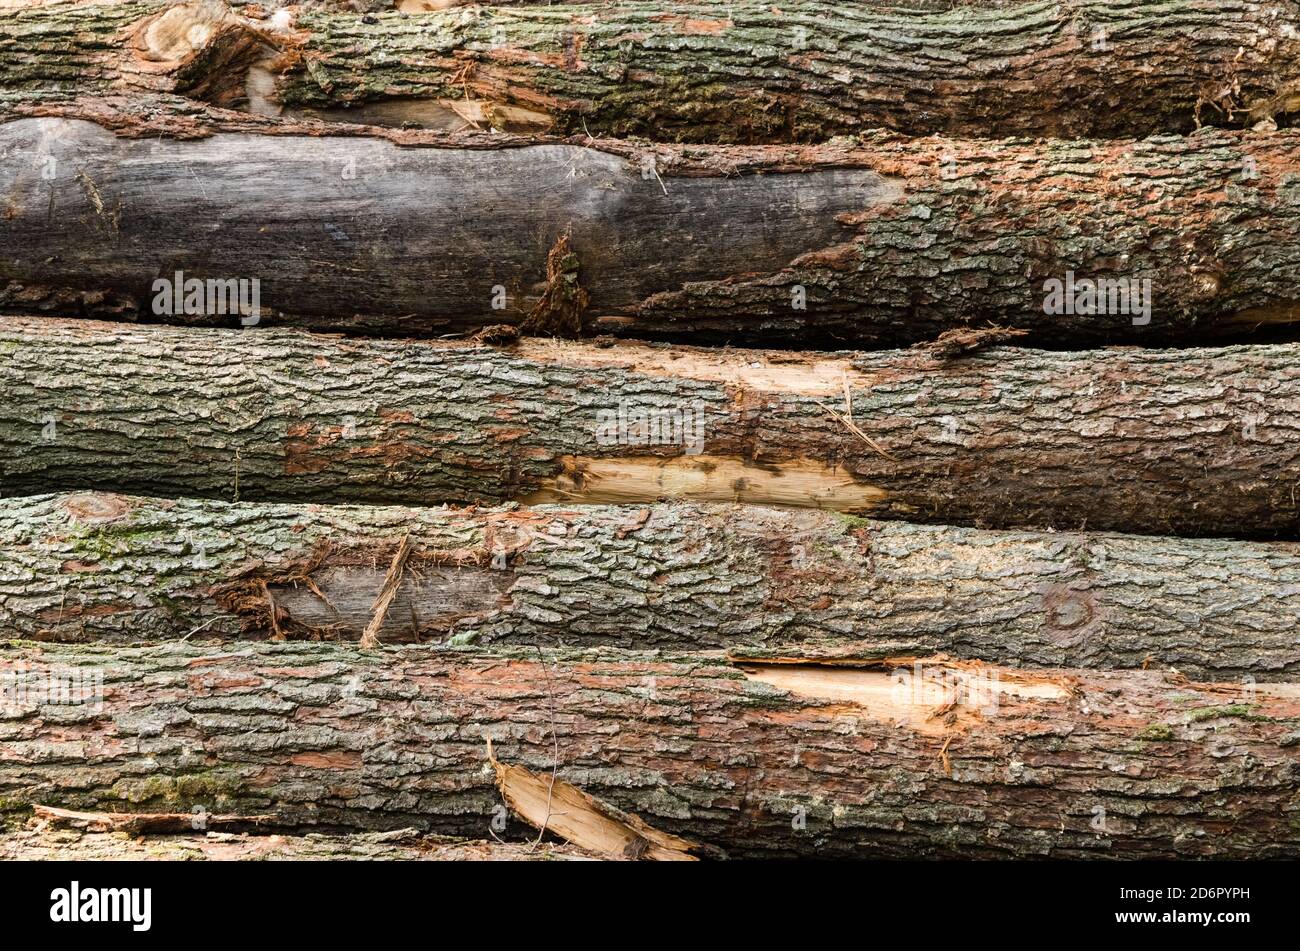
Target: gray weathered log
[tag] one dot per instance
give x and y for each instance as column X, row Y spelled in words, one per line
column 756, row 760
column 884, row 240
column 757, row 581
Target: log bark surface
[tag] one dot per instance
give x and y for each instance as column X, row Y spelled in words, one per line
column 757, row 762
column 1189, row 442
column 756, row 581
column 886, row 240
column 746, row 72
column 53, row 845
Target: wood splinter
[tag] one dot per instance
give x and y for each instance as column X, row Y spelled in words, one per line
column 143, row 823
column 552, row 805
column 393, row 580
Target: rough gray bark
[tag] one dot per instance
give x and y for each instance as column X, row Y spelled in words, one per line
column 745, row 71
column 888, row 239
column 757, row 581
column 1192, row 442
column 756, row 761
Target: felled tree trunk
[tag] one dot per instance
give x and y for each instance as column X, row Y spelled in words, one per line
column 779, row 760
column 1197, row 442
column 886, row 240
column 757, row 581
column 742, row 72
column 53, row 845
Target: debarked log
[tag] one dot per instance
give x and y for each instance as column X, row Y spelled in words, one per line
column 916, row 758
column 1158, row 240
column 746, row 71
column 760, row 582
column 1179, row 442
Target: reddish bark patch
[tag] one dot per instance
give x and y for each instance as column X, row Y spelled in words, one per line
column 70, row 612
column 81, row 567
column 96, row 507
column 704, row 27
column 337, row 760
column 299, row 460
column 689, row 26
column 223, row 683
column 839, row 257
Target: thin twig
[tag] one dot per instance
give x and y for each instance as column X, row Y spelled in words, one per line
column 393, row 580
column 555, row 756
column 276, row 633
column 852, row 427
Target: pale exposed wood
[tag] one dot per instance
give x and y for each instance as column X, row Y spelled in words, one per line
column 553, row 805
column 939, row 709
column 802, row 483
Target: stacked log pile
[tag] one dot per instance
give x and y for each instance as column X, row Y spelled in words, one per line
column 647, row 430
